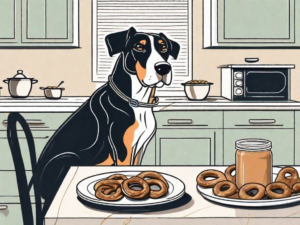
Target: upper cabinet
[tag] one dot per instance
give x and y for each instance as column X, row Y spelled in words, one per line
column 9, row 21
column 251, row 23
column 39, row 23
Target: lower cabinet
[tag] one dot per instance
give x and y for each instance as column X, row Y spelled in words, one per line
column 187, row 146
column 13, row 214
column 282, row 143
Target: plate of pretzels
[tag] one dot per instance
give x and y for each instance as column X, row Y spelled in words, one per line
column 220, row 187
column 131, row 188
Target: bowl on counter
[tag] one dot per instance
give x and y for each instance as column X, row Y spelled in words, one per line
column 197, row 90
column 52, row 92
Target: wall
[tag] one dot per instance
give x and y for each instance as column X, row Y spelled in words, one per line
column 50, row 66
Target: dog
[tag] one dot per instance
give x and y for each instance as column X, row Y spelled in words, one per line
column 114, row 126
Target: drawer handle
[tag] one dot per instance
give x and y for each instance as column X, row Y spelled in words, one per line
column 180, row 121
column 30, row 121
column 25, row 137
column 262, row 121
column 3, row 207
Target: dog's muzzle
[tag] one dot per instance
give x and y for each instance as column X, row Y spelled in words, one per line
column 162, row 68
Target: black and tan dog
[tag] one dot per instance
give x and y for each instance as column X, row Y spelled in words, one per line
column 114, row 126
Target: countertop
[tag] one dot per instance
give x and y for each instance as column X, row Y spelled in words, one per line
column 71, row 104
column 193, row 209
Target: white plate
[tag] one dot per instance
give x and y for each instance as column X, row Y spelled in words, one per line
column 85, row 190
column 208, row 194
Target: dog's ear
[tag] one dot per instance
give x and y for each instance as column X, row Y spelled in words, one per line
column 116, row 42
column 174, row 46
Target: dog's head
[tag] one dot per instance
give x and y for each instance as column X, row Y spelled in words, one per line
column 145, row 55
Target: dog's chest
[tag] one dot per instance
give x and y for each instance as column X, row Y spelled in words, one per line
column 146, row 125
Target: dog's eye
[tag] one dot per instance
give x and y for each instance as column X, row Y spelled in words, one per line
column 139, row 47
column 163, row 48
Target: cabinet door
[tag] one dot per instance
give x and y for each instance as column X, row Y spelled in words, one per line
column 256, row 21
column 10, row 21
column 282, row 143
column 149, row 155
column 48, row 21
column 40, row 140
column 187, row 146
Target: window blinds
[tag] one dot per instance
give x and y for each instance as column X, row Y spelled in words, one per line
column 171, row 17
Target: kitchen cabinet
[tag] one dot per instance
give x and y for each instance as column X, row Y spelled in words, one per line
column 10, row 21
column 282, row 143
column 36, row 23
column 187, row 146
column 251, row 23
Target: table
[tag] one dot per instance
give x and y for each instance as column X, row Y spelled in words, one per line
column 67, row 209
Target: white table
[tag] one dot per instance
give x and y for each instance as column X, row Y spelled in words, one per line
column 67, row 209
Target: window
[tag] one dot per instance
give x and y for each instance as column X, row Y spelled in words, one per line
column 171, row 17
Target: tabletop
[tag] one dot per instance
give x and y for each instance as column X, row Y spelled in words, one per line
column 66, row 208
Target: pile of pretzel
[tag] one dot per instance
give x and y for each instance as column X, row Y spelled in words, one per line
column 116, row 186
column 224, row 185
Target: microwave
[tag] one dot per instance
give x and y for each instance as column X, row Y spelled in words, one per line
column 256, row 82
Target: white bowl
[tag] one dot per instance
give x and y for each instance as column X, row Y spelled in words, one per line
column 196, row 91
column 53, row 93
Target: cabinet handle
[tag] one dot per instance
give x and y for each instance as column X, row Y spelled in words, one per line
column 3, row 207
column 30, row 121
column 25, row 137
column 180, row 121
column 262, row 121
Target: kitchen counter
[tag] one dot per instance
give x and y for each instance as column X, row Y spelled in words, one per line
column 67, row 209
column 71, row 104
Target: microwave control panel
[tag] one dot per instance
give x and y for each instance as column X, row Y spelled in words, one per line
column 238, row 83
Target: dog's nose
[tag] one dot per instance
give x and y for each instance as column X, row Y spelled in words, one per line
column 162, row 68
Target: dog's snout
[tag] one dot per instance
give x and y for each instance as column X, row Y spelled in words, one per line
column 162, row 68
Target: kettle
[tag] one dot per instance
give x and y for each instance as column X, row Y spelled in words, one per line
column 20, row 86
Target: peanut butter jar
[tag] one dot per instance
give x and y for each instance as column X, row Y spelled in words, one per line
column 253, row 161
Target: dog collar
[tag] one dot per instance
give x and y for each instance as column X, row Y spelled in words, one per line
column 132, row 102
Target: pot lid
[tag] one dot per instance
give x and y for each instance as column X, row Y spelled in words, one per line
column 19, row 75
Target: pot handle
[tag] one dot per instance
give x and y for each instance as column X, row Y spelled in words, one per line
column 34, row 81
column 5, row 81
column 62, row 89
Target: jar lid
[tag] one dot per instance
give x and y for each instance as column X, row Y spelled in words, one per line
column 253, row 144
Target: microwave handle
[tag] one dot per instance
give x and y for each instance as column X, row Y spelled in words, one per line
column 262, row 121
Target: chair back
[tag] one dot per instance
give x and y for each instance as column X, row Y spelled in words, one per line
column 23, row 186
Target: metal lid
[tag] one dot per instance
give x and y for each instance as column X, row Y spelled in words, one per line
column 253, row 144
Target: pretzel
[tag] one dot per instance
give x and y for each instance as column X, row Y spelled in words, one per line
column 134, row 193
column 153, row 175
column 210, row 173
column 228, row 172
column 287, row 191
column 250, row 186
column 114, row 193
column 290, row 181
column 117, row 177
column 163, row 188
column 111, row 183
column 231, row 189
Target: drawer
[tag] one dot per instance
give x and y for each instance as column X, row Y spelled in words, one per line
column 9, row 186
column 38, row 121
column 13, row 214
column 207, row 119
column 259, row 119
column 40, row 140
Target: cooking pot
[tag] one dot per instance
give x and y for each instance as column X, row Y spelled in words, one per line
column 20, row 86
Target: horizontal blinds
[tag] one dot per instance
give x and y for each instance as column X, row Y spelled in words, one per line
column 170, row 17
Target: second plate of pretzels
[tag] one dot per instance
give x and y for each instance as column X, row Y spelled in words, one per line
column 219, row 186
column 131, row 188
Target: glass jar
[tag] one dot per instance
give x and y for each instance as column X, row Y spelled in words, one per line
column 253, row 161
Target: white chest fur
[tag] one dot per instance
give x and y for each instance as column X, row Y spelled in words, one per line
column 145, row 130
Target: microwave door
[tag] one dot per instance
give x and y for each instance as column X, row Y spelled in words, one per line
column 266, row 84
